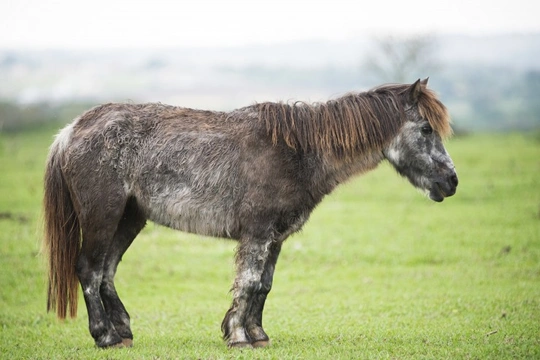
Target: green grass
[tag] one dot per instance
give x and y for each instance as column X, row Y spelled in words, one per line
column 379, row 271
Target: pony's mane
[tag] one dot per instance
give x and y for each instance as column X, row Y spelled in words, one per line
column 352, row 124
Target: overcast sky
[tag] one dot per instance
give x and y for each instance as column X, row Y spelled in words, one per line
column 159, row 23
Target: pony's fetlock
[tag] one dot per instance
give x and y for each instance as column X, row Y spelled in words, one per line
column 258, row 337
column 109, row 339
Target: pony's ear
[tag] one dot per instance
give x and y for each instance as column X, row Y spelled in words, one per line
column 424, row 82
column 413, row 92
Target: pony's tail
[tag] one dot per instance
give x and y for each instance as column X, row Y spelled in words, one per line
column 62, row 237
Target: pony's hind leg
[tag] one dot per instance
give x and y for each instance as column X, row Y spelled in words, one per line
column 132, row 222
column 98, row 226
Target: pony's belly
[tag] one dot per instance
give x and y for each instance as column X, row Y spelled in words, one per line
column 209, row 220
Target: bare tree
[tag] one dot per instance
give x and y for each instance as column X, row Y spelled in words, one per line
column 401, row 59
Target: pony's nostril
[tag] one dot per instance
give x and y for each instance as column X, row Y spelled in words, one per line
column 454, row 180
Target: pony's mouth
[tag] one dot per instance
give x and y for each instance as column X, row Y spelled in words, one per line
column 438, row 192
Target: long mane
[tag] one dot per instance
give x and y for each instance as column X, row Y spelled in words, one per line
column 352, row 124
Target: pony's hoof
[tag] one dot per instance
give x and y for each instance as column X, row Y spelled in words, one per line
column 111, row 346
column 240, row 345
column 260, row 343
column 120, row 345
column 127, row 342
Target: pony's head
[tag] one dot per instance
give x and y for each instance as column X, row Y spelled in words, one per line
column 417, row 151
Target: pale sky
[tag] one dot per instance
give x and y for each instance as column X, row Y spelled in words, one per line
column 91, row 24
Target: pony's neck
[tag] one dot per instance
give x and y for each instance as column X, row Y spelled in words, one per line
column 344, row 169
column 336, row 170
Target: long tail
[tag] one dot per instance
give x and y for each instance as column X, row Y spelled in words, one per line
column 62, row 237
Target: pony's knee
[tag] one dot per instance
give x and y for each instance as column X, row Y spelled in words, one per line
column 248, row 281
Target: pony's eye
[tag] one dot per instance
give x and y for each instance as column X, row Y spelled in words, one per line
column 426, row 130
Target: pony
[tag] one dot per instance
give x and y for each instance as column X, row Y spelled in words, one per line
column 253, row 175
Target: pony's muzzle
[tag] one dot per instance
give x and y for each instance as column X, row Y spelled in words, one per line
column 444, row 187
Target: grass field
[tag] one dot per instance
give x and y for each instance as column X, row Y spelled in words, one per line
column 379, row 271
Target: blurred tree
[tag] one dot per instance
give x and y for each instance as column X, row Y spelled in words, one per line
column 401, row 59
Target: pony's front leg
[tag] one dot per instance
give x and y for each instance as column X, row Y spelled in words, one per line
column 251, row 259
column 254, row 318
